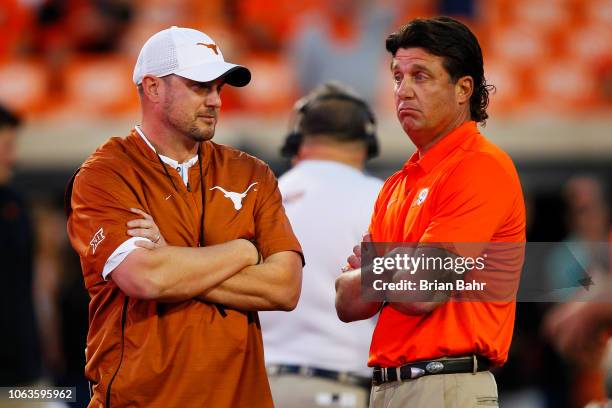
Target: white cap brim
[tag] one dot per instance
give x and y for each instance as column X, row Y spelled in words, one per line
column 235, row 75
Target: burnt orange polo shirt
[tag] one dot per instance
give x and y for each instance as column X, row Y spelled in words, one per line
column 187, row 354
column 464, row 189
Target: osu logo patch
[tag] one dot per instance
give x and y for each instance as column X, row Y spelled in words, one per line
column 96, row 240
column 421, row 196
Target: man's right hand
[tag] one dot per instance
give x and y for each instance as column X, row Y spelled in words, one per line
column 354, row 261
column 349, row 304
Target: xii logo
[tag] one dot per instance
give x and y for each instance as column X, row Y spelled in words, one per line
column 97, row 238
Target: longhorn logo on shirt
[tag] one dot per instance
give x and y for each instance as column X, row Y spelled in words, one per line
column 97, row 238
column 236, row 198
column 421, row 197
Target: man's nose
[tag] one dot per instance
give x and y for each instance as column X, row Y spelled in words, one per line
column 213, row 99
column 405, row 89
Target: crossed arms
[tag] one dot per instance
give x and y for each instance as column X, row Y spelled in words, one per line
column 226, row 273
column 350, row 305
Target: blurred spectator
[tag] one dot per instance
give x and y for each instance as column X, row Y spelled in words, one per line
column 64, row 29
column 90, row 26
column 61, row 301
column 344, row 42
column 581, row 329
column 43, row 295
column 581, row 260
column 16, row 21
column 457, row 8
column 265, row 25
column 603, row 74
column 20, row 362
column 583, row 252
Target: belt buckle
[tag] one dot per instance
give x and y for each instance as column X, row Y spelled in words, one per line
column 434, row 367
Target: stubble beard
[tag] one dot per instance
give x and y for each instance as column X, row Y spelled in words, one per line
column 200, row 134
column 186, row 127
column 190, row 129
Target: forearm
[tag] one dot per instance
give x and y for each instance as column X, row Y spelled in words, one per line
column 349, row 304
column 419, row 302
column 173, row 274
column 598, row 311
column 414, row 302
column 273, row 285
column 414, row 308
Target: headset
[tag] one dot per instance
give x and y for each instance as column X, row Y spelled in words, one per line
column 331, row 91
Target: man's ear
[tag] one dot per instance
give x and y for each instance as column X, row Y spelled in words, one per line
column 464, row 88
column 151, row 88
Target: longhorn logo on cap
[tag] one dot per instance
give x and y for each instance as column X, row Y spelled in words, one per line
column 211, row 46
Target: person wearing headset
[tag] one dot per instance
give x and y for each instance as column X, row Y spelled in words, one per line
column 312, row 357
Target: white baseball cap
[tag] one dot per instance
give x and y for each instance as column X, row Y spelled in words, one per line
column 188, row 53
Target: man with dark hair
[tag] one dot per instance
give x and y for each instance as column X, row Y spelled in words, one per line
column 181, row 241
column 331, row 137
column 457, row 188
column 19, row 348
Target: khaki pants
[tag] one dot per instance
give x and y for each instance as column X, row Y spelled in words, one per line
column 297, row 391
column 438, row 391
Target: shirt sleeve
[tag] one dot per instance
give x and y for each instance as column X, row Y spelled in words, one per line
column 273, row 232
column 472, row 202
column 120, row 254
column 101, row 202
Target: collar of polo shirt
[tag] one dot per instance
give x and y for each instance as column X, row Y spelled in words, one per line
column 181, row 168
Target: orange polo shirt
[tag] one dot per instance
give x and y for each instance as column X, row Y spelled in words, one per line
column 464, row 189
column 143, row 353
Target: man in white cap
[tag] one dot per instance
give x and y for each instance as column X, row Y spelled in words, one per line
column 181, row 242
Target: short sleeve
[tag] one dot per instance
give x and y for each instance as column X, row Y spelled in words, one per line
column 273, row 232
column 385, row 190
column 375, row 209
column 119, row 254
column 473, row 202
column 100, row 202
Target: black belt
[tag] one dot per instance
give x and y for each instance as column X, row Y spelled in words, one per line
column 340, row 376
column 450, row 365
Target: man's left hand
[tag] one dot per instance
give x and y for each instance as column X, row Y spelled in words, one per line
column 145, row 227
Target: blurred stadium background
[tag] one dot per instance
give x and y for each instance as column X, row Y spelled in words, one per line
column 66, row 66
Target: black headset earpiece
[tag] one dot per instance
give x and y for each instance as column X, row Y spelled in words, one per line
column 292, row 144
column 293, row 140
